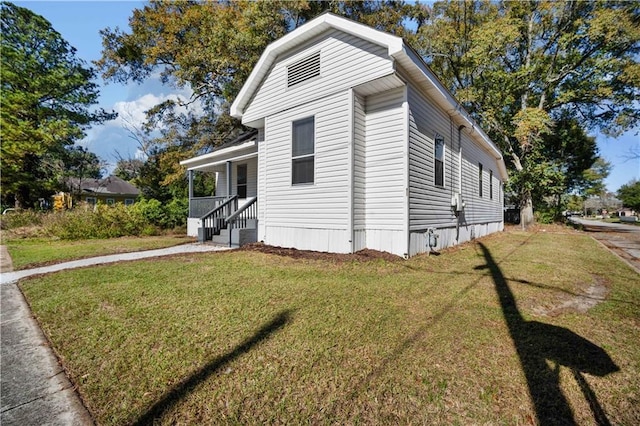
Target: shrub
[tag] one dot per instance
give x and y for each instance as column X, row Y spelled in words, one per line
column 151, row 211
column 147, row 217
column 176, row 212
column 18, row 219
column 545, row 217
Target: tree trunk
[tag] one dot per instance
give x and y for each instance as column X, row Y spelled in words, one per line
column 526, row 211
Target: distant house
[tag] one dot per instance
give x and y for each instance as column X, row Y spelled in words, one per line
column 357, row 145
column 109, row 190
column 625, row 212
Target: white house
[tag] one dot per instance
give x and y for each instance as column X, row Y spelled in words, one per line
column 357, row 145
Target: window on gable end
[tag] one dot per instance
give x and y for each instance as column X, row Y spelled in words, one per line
column 303, row 70
column 303, row 151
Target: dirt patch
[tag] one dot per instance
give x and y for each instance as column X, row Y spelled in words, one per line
column 365, row 255
column 595, row 293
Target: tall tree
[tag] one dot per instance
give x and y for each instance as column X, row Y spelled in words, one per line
column 521, row 67
column 212, row 47
column 47, row 93
column 128, row 168
column 629, row 193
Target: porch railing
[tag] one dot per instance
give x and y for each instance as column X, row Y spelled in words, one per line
column 215, row 220
column 240, row 218
column 199, row 206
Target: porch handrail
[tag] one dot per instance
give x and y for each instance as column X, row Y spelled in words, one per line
column 239, row 218
column 215, row 220
column 224, row 204
column 238, row 212
column 200, row 205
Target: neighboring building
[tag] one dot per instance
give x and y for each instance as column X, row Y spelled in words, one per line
column 625, row 212
column 358, row 145
column 596, row 205
column 109, row 190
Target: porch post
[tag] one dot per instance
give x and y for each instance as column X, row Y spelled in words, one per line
column 190, row 176
column 229, row 183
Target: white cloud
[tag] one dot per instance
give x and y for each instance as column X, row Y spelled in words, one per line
column 140, row 155
column 113, row 139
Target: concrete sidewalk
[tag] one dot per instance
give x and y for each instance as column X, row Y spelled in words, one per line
column 34, row 389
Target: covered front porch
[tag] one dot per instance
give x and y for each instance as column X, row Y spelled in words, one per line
column 228, row 215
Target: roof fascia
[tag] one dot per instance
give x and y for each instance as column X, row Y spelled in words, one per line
column 212, row 155
column 220, row 163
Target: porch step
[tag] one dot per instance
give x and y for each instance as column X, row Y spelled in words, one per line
column 222, row 238
column 240, row 237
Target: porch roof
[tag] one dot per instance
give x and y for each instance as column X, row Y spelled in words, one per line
column 219, row 157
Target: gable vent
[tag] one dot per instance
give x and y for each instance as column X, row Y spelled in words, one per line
column 303, row 70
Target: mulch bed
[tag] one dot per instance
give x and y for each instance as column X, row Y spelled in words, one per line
column 365, row 255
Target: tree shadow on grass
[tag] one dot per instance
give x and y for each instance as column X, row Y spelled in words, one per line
column 183, row 388
column 536, row 344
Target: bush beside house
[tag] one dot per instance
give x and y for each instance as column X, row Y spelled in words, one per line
column 145, row 217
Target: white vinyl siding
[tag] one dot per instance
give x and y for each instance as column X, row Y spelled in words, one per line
column 339, row 52
column 430, row 205
column 261, row 170
column 385, row 144
column 359, row 165
column 478, row 209
column 323, row 205
column 221, row 184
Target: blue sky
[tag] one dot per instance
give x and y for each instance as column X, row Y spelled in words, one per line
column 79, row 22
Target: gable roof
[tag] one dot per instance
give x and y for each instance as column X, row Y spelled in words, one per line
column 397, row 49
column 111, row 185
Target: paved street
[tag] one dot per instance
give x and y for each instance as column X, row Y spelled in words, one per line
column 623, row 239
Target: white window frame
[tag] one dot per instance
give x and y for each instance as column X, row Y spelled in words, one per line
column 491, row 184
column 439, row 139
column 480, row 183
column 305, row 156
column 129, row 201
column 91, row 200
column 110, row 201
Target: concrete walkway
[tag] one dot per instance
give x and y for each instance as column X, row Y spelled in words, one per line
column 34, row 389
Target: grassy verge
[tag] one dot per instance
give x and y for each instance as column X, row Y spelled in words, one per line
column 253, row 338
column 27, row 253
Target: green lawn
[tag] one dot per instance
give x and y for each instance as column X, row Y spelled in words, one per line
column 482, row 334
column 28, row 253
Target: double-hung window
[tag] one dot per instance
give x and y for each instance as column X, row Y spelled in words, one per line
column 480, row 179
column 439, row 160
column 491, row 184
column 303, row 151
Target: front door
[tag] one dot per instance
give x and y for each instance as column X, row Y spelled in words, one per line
column 241, row 184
